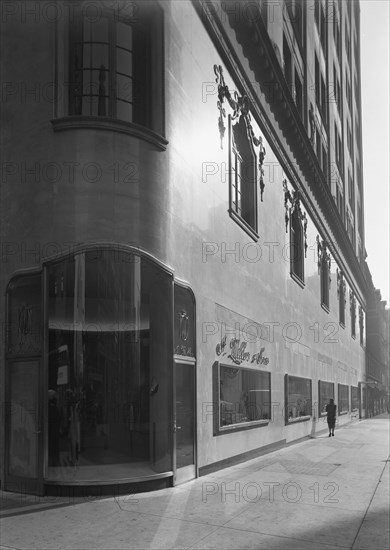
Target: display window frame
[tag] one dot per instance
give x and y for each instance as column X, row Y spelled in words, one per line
column 321, row 410
column 304, row 418
column 339, row 398
column 237, row 426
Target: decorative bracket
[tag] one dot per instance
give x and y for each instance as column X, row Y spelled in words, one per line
column 341, row 286
column 240, row 107
column 352, row 303
column 294, row 199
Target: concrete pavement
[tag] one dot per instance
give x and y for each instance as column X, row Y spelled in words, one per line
column 319, row 494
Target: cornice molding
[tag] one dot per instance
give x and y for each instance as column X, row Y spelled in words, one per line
column 260, row 55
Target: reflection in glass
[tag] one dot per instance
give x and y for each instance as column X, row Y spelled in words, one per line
column 298, row 397
column 326, row 392
column 109, row 343
column 343, row 391
column 354, row 398
column 245, row 395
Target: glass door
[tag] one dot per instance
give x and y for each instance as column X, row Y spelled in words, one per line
column 24, row 428
column 184, row 421
column 23, row 386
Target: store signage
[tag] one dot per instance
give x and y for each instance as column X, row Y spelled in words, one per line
column 237, row 352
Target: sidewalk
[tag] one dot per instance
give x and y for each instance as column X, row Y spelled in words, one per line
column 320, row 494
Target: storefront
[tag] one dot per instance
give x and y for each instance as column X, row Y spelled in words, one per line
column 95, row 395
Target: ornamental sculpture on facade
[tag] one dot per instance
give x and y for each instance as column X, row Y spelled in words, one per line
column 341, row 286
column 292, row 203
column 240, row 107
column 352, row 303
column 323, row 256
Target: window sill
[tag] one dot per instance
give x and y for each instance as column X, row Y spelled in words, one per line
column 244, row 225
column 325, row 307
column 111, row 125
column 297, row 279
column 221, row 430
column 298, row 419
column 343, row 412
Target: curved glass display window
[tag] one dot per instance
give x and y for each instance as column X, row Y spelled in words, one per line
column 109, row 368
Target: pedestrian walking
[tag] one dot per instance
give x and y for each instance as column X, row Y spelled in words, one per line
column 331, row 416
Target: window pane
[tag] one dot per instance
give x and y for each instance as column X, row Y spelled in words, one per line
column 244, row 396
column 124, row 62
column 124, row 111
column 124, row 87
column 343, row 398
column 298, row 398
column 99, row 29
column 99, row 56
column 326, row 392
column 124, row 36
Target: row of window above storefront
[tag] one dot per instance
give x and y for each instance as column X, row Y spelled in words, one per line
column 243, row 399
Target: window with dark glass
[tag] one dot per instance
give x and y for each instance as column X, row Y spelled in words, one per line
column 243, row 195
column 342, row 300
column 324, row 160
column 287, row 64
column 361, row 325
column 354, row 398
column 113, row 64
column 324, row 278
column 351, row 190
column 325, row 392
column 296, row 245
column 343, row 401
column 298, row 398
column 109, row 367
column 298, row 94
column 336, row 31
column 352, row 300
column 244, row 396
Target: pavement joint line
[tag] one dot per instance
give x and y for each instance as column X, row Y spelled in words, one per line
column 247, row 530
column 369, row 504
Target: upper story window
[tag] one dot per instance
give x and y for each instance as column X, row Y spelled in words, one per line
column 339, row 150
column 336, row 32
column 242, row 174
column 115, row 64
column 324, row 263
column 321, row 97
column 348, row 44
column 341, row 294
column 361, row 325
column 352, row 303
column 298, row 232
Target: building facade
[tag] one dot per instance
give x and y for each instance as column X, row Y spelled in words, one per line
column 182, row 217
column 377, row 351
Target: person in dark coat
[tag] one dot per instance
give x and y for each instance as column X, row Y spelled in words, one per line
column 331, row 416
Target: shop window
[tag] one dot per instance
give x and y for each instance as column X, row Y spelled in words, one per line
column 354, row 398
column 343, row 394
column 115, row 64
column 244, row 397
column 325, row 392
column 242, row 173
column 296, row 245
column 298, row 398
column 109, row 367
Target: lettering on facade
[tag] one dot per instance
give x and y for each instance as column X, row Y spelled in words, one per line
column 238, row 352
